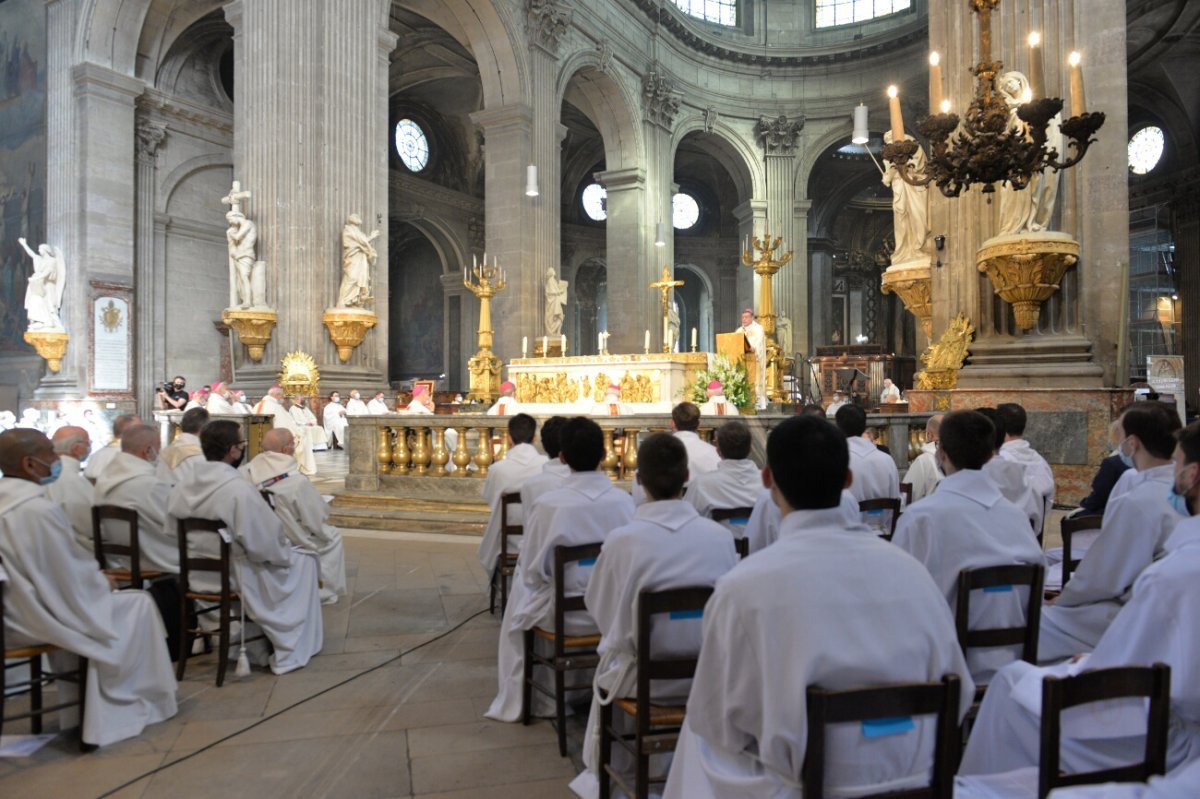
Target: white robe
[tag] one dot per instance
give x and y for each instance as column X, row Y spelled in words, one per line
column 1009, row 476
column 220, row 405
column 57, row 595
column 923, row 473
column 553, row 474
column 334, row 417
column 75, row 495
column 305, row 516
column 132, row 483
column 522, row 462
column 889, row 395
column 356, row 407
column 277, row 581
column 176, row 460
column 756, row 337
column 242, row 409
column 306, row 420
column 734, row 484
column 702, row 458
column 505, row 406
column 377, row 407
column 1135, row 529
column 763, row 528
column 968, row 524
column 1160, row 624
column 1038, row 474
column 833, row 408
column 100, row 458
column 718, row 406
column 605, row 406
column 583, row 511
column 283, row 418
column 1182, row 783
column 832, row 605
column 1129, row 479
column 875, row 473
column 667, row 545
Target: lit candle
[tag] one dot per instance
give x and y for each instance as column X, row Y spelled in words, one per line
column 1037, row 69
column 646, row 343
column 545, row 347
column 1077, row 104
column 693, row 338
column 474, row 263
column 524, row 346
column 935, row 80
column 894, row 109
column 562, row 345
column 945, row 106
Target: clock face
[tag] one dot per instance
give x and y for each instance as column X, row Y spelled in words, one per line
column 594, row 200
column 1145, row 149
column 684, row 211
column 411, row 145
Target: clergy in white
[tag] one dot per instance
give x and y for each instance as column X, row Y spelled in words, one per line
column 583, row 511
column 522, row 462
column 667, row 545
column 611, row 405
column 177, row 458
column 131, row 482
column 1038, row 475
column 923, row 473
column 56, row 594
column 1133, row 534
column 100, row 458
column 378, row 405
column 875, row 473
column 968, row 524
column 832, row 605
column 717, row 404
column 890, row 393
column 756, row 337
column 737, row 480
column 306, row 420
column 220, row 400
column 702, row 456
column 304, row 513
column 278, row 582
column 1010, row 478
column 72, row 491
column 272, row 405
column 240, row 407
column 507, row 405
column 839, row 399
column 763, row 528
column 334, row 417
column 355, row 406
column 554, row 471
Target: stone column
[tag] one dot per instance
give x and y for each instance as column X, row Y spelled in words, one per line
column 627, row 244
column 310, row 133
column 796, row 295
column 751, row 216
column 151, row 358
column 660, row 107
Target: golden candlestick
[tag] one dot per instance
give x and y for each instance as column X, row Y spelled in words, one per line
column 765, row 266
column 665, row 286
column 484, row 367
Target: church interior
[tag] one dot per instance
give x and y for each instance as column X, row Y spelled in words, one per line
column 467, row 209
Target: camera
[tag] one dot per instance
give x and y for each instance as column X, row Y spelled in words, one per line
column 165, row 388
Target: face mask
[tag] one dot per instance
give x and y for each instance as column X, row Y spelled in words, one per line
column 1125, row 458
column 1178, row 502
column 55, row 468
column 241, row 457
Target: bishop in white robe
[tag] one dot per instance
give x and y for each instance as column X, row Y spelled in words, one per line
column 131, row 482
column 334, row 417
column 507, row 404
column 220, row 400
column 355, row 406
column 72, row 491
column 611, row 405
column 378, row 405
column 272, row 405
column 756, row 338
column 56, row 594
column 717, row 403
column 522, row 462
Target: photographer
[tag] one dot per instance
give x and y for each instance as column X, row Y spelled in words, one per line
column 172, row 396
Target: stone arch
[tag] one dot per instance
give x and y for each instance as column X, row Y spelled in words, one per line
column 731, row 150
column 608, row 102
column 814, row 150
column 182, row 172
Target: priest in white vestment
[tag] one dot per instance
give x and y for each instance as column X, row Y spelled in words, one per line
column 355, row 406
column 303, row 511
column 334, row 417
column 923, row 473
column 702, row 456
column 611, row 405
column 177, row 458
column 554, row 471
column 220, row 400
column 737, row 480
column 422, row 404
column 890, row 392
column 56, row 594
column 1010, row 477
column 667, row 545
column 100, row 458
column 968, row 524
column 378, row 405
column 277, row 581
column 1038, row 474
column 131, row 482
column 72, row 491
column 306, row 420
column 756, row 337
column 717, row 403
column 240, row 406
column 522, row 462
column 583, row 511
column 839, row 399
column 833, row 605
column 1132, row 536
column 272, row 405
column 507, row 404
column 875, row 473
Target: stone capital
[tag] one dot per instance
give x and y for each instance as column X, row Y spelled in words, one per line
column 621, row 179
column 749, row 211
column 514, row 118
column 148, row 136
column 547, row 22
column 660, row 100
column 778, row 136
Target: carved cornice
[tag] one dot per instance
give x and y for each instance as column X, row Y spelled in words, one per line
column 778, row 136
column 431, row 194
column 182, row 110
column 147, row 138
column 660, row 100
column 547, row 22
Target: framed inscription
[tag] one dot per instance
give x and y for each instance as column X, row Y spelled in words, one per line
column 110, row 344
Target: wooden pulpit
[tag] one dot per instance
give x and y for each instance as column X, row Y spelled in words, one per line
column 736, row 347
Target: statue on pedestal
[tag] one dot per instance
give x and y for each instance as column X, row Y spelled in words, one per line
column 556, row 299
column 247, row 276
column 910, row 209
column 358, row 256
column 43, row 293
column 1030, row 209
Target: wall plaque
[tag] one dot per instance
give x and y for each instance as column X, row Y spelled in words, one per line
column 110, row 344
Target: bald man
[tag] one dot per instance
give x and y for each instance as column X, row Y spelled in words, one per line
column 131, row 482
column 273, row 405
column 72, row 491
column 56, row 594
column 304, row 513
column 101, row 457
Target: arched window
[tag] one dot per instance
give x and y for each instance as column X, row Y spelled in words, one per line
column 721, row 12
column 412, row 145
column 685, row 211
column 1146, row 149
column 594, row 201
column 845, row 12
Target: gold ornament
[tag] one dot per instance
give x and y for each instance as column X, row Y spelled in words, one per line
column 944, row 359
column 1028, row 270
column 253, row 328
column 348, row 327
column 766, row 265
column 51, row 346
column 298, row 375
column 914, row 287
column 484, row 367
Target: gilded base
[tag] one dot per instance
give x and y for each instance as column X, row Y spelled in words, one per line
column 347, row 328
column 50, row 345
column 1026, row 270
column 914, row 287
column 253, row 327
column 484, row 369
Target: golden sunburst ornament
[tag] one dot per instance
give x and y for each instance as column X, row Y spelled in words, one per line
column 299, row 375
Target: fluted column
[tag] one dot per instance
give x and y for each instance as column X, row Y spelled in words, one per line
column 148, row 283
column 626, row 241
column 779, row 139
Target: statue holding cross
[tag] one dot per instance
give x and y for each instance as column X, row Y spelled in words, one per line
column 665, row 286
column 247, row 274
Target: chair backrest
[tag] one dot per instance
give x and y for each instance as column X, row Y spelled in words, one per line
column 1058, row 694
column 563, row 604
column 507, row 528
column 191, row 529
column 886, row 702
column 735, row 516
column 3, row 583
column 906, row 490
column 687, row 602
column 104, row 548
column 1069, row 527
column 883, row 504
column 1032, row 575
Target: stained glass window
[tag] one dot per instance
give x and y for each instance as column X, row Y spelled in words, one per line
column 1145, row 149
column 722, row 12
column 411, row 145
column 685, row 211
column 845, row 12
column 595, row 202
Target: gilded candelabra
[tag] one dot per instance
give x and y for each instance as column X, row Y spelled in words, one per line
column 765, row 266
column 484, row 366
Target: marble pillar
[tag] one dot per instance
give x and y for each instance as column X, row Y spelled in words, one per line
column 627, row 244
column 779, row 138
column 150, row 355
column 751, row 217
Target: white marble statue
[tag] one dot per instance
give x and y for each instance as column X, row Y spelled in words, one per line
column 910, row 210
column 358, row 256
column 556, row 298
column 1030, row 209
column 44, row 291
column 783, row 334
column 247, row 276
column 673, row 324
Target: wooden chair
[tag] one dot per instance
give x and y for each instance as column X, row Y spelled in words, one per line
column 189, row 529
column 1069, row 528
column 739, row 517
column 883, row 504
column 134, row 575
column 656, row 727
column 570, row 652
column 886, row 702
column 906, row 490
column 1025, row 635
column 31, row 657
column 506, row 564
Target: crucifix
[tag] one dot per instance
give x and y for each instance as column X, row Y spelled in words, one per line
column 664, row 286
column 235, row 197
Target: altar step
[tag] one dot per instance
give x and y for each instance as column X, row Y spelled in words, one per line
column 375, row 511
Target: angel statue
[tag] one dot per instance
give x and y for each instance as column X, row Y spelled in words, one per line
column 44, row 291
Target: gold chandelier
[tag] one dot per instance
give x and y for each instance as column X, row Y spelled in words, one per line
column 986, row 148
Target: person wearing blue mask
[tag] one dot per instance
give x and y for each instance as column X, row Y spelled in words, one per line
column 1132, row 536
column 1185, row 488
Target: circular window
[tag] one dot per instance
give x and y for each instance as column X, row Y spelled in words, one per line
column 411, row 145
column 595, row 202
column 1145, row 149
column 684, row 211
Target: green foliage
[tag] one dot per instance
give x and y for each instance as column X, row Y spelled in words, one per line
column 732, row 377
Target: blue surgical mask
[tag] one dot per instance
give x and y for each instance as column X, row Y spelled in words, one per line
column 1178, row 502
column 55, row 468
column 1125, row 458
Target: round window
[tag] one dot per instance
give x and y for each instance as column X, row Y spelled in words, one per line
column 411, row 145
column 595, row 199
column 684, row 211
column 1145, row 149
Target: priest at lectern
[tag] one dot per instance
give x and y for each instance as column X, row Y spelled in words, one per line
column 756, row 338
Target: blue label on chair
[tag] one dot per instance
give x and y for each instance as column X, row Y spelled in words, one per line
column 587, row 562
column 686, row 614
column 998, row 589
column 739, row 520
column 880, row 728
column 878, row 512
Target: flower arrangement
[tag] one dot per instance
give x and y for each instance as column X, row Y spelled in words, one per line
column 733, row 379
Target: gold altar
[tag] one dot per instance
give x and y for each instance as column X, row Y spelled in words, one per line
column 650, row 383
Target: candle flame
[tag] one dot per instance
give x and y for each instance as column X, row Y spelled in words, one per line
column 1027, row 95
column 1075, row 58
column 934, row 59
column 945, row 106
column 1035, row 39
column 892, row 91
